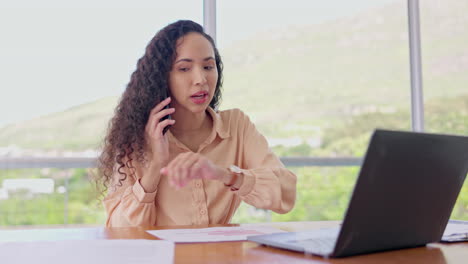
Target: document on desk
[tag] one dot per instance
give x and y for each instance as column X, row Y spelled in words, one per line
column 456, row 231
column 213, row 234
column 119, row 251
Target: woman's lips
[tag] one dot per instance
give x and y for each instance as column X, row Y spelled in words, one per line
column 199, row 98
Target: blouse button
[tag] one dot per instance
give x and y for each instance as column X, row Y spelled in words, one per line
column 198, row 184
column 202, row 211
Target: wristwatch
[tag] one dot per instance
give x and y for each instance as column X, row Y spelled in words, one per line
column 235, row 171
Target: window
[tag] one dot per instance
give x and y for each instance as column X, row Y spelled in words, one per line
column 316, row 77
column 63, row 66
column 444, row 65
column 444, row 54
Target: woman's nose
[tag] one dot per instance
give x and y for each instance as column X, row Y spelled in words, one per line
column 199, row 77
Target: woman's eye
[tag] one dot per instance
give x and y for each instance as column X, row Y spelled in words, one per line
column 183, row 69
column 209, row 67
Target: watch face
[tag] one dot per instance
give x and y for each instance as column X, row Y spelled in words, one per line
column 235, row 169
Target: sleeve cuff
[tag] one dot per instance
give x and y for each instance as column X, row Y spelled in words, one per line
column 141, row 195
column 247, row 184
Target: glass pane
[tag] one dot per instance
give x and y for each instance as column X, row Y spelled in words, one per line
column 56, row 55
column 323, row 193
column 64, row 65
column 444, row 37
column 32, row 197
column 317, row 76
column 444, row 42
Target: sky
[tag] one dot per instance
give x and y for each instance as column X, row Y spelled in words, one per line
column 56, row 54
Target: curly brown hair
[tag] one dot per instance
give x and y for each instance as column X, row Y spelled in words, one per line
column 125, row 140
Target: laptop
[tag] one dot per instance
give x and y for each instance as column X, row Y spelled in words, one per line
column 403, row 197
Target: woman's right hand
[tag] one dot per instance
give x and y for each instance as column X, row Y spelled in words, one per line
column 157, row 142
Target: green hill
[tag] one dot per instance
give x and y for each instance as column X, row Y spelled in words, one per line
column 78, row 128
column 316, row 76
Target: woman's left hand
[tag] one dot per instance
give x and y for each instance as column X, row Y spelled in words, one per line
column 188, row 166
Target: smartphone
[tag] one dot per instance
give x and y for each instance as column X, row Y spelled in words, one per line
column 165, row 94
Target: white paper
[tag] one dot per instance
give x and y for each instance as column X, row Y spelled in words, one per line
column 213, row 234
column 121, row 251
column 456, row 230
column 50, row 234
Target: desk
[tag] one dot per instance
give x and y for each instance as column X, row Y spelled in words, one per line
column 249, row 252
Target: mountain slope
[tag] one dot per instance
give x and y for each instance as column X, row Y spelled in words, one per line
column 78, row 128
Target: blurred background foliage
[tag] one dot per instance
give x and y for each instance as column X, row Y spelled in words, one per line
column 322, row 192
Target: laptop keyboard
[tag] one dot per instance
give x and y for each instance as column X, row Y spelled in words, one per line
column 319, row 246
column 319, row 242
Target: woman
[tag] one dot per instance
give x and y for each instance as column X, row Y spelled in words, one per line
column 207, row 162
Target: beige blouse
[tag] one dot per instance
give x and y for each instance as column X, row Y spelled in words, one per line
column 234, row 140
